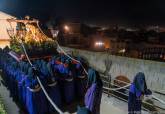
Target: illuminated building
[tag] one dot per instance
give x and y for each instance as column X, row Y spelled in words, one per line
column 4, row 27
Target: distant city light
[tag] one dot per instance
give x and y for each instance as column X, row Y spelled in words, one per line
column 99, row 43
column 66, row 28
column 122, row 51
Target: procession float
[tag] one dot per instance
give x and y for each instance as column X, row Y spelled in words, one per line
column 40, row 79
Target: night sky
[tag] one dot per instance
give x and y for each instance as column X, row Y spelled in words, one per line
column 95, row 11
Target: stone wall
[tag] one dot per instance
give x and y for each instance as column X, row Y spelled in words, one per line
column 116, row 65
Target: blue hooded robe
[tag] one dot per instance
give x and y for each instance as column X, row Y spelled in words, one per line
column 35, row 99
column 80, row 77
column 21, row 85
column 65, row 79
column 137, row 89
column 94, row 92
column 53, row 89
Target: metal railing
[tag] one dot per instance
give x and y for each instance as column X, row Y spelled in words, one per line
column 122, row 94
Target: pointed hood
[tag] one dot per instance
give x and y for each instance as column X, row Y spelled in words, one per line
column 91, row 76
column 30, row 72
column 140, row 82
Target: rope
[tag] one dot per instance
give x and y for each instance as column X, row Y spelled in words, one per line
column 63, row 50
column 124, row 87
column 50, row 100
column 163, row 102
column 116, row 91
column 80, row 62
column 124, row 99
column 84, row 68
column 46, row 94
column 119, row 86
column 58, row 45
column 77, row 60
column 127, row 96
column 112, row 89
column 153, row 96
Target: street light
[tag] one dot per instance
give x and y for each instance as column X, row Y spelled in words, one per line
column 99, row 43
column 122, row 51
column 66, row 27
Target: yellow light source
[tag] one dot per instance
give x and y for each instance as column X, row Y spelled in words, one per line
column 122, row 51
column 99, row 44
column 66, row 28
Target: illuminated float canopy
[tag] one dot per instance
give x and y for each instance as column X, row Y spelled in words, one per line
column 28, row 31
column 35, row 41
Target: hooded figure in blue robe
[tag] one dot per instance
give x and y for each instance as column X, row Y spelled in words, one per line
column 21, row 85
column 53, row 88
column 35, row 99
column 137, row 90
column 68, row 83
column 19, row 79
column 44, row 73
column 36, row 64
column 13, row 80
column 23, row 81
column 65, row 79
column 94, row 92
column 80, row 77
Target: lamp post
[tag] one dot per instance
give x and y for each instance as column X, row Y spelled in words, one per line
column 66, row 29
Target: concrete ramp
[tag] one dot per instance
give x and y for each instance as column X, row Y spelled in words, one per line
column 112, row 105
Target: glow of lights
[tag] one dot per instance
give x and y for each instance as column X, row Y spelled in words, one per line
column 99, row 43
column 66, row 28
column 21, row 35
column 122, row 51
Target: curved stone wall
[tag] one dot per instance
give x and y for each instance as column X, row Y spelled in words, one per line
column 116, row 65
